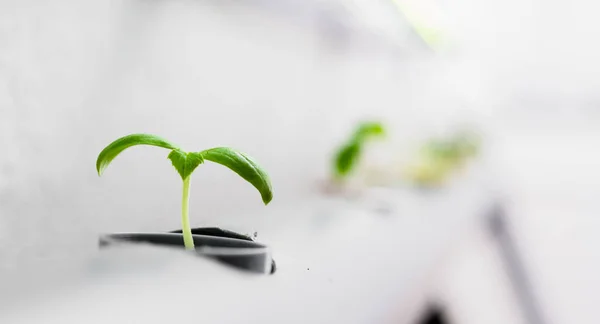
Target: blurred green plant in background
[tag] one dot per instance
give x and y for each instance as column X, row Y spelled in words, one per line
column 348, row 156
column 440, row 157
column 436, row 161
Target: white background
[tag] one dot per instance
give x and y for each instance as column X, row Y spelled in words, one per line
column 74, row 75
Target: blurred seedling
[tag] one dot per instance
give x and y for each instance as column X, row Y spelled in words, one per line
column 350, row 153
column 441, row 156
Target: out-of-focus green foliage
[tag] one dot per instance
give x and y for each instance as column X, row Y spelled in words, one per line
column 348, row 155
column 440, row 156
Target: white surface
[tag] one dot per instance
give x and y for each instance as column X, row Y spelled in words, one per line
column 359, row 267
column 472, row 283
column 556, row 179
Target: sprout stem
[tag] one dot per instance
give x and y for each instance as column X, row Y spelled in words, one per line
column 188, row 240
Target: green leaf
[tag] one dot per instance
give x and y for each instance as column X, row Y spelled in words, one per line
column 368, row 129
column 243, row 165
column 346, row 158
column 115, row 148
column 185, row 163
column 442, row 149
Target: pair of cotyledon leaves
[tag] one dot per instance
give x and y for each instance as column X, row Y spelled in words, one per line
column 186, row 162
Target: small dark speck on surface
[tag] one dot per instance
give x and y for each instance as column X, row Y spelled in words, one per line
column 307, row 268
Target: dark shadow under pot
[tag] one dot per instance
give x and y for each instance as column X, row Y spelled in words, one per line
column 234, row 249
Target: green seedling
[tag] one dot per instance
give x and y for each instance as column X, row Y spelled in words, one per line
column 440, row 156
column 454, row 149
column 348, row 155
column 186, row 162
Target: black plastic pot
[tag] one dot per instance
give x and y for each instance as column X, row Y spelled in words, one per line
column 230, row 248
